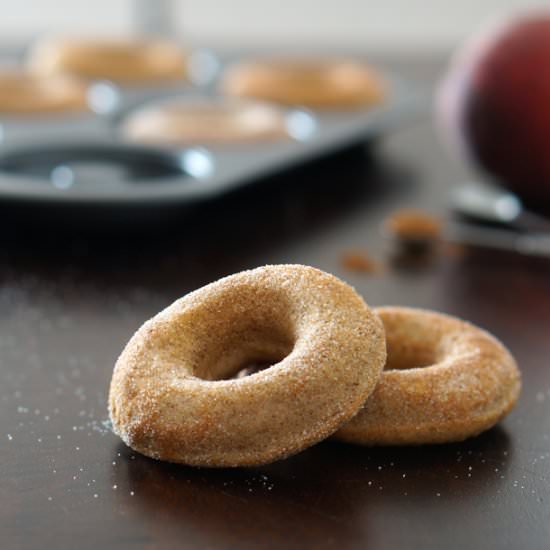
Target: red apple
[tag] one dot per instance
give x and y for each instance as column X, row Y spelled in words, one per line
column 495, row 104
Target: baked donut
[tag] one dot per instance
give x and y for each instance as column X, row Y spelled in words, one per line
column 319, row 84
column 445, row 380
column 126, row 61
column 184, row 121
column 172, row 396
column 25, row 93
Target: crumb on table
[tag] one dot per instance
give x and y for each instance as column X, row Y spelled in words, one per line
column 359, row 261
column 414, row 225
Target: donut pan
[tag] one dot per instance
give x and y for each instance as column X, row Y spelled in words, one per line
column 84, row 160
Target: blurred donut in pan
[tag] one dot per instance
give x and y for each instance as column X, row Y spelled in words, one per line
column 315, row 83
column 183, row 121
column 129, row 61
column 24, row 93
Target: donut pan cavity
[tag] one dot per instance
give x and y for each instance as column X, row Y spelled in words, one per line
column 86, row 160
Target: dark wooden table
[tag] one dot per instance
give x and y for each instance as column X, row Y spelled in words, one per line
column 69, row 301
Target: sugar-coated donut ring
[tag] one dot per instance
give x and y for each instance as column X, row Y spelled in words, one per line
column 445, row 380
column 321, row 84
column 127, row 61
column 25, row 93
column 170, row 396
column 184, row 121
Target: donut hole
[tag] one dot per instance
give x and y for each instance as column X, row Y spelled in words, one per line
column 255, row 367
column 246, row 351
column 403, row 354
column 239, row 332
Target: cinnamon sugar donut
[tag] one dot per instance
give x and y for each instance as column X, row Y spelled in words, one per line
column 321, row 84
column 171, row 396
column 126, row 61
column 184, row 121
column 25, row 93
column 445, row 380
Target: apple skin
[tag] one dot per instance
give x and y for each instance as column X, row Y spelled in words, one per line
column 494, row 104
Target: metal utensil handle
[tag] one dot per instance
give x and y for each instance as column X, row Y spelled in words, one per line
column 154, row 17
column 535, row 244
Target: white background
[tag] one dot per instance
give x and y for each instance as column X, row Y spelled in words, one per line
column 383, row 24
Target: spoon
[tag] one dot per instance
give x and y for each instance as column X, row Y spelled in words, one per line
column 416, row 231
column 526, row 244
column 492, row 205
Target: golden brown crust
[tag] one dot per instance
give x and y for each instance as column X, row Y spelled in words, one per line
column 25, row 93
column 170, row 396
column 319, row 84
column 184, row 121
column 464, row 382
column 127, row 61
